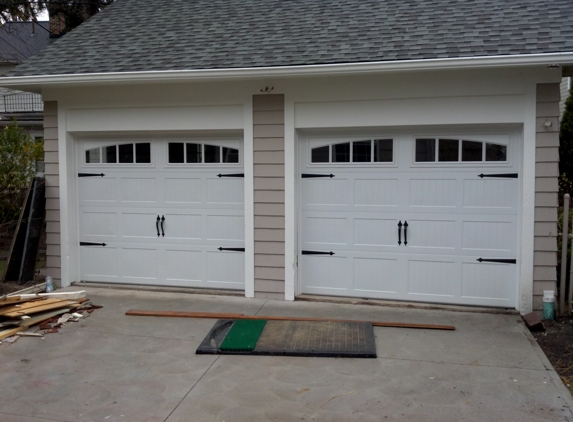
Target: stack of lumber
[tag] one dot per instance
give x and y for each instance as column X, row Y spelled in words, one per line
column 28, row 314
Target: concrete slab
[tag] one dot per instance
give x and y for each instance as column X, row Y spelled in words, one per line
column 111, row 367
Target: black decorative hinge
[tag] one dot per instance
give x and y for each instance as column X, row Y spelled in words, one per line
column 501, row 261
column 91, row 244
column 502, row 175
column 308, row 176
column 317, row 253
column 231, row 175
column 91, row 175
column 232, row 249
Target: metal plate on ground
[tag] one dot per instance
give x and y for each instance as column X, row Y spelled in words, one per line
column 302, row 338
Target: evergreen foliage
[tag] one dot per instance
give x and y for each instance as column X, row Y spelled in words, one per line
column 566, row 149
column 18, row 155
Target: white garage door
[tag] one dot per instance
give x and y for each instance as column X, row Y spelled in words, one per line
column 420, row 218
column 169, row 213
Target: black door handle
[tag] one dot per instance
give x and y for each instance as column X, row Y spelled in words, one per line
column 162, row 221
column 405, row 232
column 157, row 225
column 400, row 232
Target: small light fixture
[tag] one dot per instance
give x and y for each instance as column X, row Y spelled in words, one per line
column 547, row 123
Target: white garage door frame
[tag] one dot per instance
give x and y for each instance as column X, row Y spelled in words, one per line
column 514, row 133
column 159, row 146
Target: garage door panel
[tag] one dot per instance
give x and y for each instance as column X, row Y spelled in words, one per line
column 490, row 193
column 225, row 269
column 376, row 275
column 375, row 232
column 184, row 267
column 433, row 193
column 325, row 231
column 432, row 278
column 97, row 191
column 488, row 281
column 225, row 191
column 99, row 224
column 138, row 225
column 138, row 189
column 433, row 234
column 327, row 274
column 376, row 192
column 489, row 236
column 225, row 227
column 325, row 191
column 99, row 263
column 183, row 226
column 138, row 264
column 182, row 190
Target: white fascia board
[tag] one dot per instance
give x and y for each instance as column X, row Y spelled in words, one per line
column 287, row 71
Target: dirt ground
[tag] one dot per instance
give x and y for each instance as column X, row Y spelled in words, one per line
column 557, row 343
column 11, row 286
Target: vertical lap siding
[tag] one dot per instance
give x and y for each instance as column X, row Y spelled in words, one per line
column 269, row 195
column 546, row 188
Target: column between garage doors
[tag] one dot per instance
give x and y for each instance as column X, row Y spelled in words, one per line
column 269, row 196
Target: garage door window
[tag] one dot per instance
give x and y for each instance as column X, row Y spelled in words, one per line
column 442, row 150
column 195, row 153
column 132, row 153
column 363, row 151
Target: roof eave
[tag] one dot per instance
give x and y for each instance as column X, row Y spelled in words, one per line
column 563, row 58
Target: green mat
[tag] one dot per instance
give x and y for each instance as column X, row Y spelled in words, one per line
column 243, row 335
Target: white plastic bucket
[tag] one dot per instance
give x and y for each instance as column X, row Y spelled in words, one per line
column 548, row 304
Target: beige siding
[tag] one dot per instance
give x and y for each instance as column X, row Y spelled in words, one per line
column 269, row 195
column 53, row 260
column 546, row 187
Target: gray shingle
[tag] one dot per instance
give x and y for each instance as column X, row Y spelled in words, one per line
column 144, row 35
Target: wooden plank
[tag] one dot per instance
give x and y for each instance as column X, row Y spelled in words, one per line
column 222, row 315
column 10, row 332
column 38, row 319
column 29, row 304
column 36, row 309
column 55, row 295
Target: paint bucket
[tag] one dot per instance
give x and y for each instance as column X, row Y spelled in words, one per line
column 548, row 304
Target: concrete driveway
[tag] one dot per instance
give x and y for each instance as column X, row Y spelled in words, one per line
column 112, row 367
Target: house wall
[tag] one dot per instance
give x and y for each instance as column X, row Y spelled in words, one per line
column 269, row 195
column 53, row 252
column 546, row 188
column 495, row 98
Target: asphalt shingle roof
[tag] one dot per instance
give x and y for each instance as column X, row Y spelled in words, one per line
column 146, row 35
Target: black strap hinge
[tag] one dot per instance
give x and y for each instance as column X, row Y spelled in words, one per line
column 501, row 175
column 231, row 175
column 501, row 261
column 232, row 249
column 308, row 176
column 317, row 253
column 91, row 244
column 91, row 175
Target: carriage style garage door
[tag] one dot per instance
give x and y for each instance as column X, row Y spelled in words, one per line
column 169, row 212
column 420, row 218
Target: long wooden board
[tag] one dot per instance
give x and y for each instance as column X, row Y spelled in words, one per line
column 222, row 315
column 40, row 306
column 10, row 332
